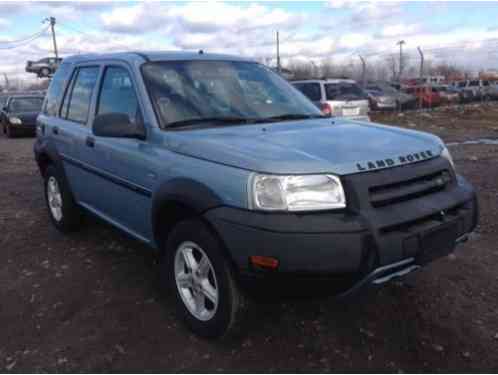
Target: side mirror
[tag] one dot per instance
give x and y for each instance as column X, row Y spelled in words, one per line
column 117, row 125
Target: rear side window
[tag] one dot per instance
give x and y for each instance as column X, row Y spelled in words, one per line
column 311, row 90
column 56, row 90
column 117, row 94
column 344, row 91
column 81, row 94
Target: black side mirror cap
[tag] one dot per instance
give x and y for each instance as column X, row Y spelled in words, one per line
column 117, row 125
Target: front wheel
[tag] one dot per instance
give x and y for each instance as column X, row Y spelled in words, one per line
column 207, row 297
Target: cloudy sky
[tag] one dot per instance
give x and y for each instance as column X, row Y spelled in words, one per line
column 465, row 33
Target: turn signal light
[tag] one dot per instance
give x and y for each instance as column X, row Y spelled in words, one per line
column 264, row 262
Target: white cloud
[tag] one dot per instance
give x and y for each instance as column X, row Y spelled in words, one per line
column 344, row 29
column 399, row 29
column 4, row 23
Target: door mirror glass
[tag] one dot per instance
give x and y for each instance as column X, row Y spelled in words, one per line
column 117, row 125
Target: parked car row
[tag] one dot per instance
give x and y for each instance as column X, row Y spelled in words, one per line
column 476, row 89
column 345, row 98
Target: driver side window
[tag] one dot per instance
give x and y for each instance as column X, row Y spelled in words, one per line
column 117, row 94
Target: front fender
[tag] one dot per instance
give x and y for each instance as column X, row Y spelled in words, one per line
column 188, row 192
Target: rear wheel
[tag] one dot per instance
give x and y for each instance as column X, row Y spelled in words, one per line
column 194, row 267
column 64, row 213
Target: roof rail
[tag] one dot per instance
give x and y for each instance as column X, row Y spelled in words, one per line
column 142, row 55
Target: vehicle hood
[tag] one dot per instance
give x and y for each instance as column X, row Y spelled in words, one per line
column 27, row 118
column 312, row 146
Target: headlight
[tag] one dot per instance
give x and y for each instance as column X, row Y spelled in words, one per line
column 296, row 193
column 446, row 154
column 15, row 120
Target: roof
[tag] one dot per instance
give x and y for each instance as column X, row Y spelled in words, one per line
column 141, row 56
column 16, row 96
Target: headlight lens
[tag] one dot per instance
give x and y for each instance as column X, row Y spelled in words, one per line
column 15, row 121
column 446, row 154
column 296, row 193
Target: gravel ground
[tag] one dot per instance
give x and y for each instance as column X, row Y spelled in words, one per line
column 89, row 302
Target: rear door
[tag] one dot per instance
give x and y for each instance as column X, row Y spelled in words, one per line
column 72, row 128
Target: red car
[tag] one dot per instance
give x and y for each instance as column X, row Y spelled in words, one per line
column 427, row 96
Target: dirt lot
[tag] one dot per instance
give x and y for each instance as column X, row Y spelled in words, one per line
column 90, row 302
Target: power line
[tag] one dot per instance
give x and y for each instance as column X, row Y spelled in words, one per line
column 26, row 38
column 25, row 42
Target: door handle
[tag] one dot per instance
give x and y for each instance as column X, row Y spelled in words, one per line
column 55, row 130
column 90, row 141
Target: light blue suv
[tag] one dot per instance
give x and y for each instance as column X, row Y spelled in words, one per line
column 240, row 183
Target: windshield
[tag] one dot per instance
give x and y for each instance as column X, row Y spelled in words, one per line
column 26, row 104
column 344, row 91
column 187, row 92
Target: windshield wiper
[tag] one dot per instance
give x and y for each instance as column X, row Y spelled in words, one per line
column 219, row 120
column 289, row 116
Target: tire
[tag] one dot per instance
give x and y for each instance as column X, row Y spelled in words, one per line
column 69, row 216
column 215, row 319
column 44, row 72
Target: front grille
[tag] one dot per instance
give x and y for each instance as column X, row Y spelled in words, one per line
column 407, row 189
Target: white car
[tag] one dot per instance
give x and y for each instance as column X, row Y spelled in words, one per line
column 337, row 97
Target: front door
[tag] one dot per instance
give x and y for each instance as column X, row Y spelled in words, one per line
column 125, row 178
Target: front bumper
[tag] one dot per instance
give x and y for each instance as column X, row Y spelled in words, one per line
column 385, row 106
column 24, row 129
column 352, row 248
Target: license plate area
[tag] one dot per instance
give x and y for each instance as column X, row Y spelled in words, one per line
column 350, row 111
column 438, row 242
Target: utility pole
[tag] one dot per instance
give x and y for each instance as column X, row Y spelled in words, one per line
column 393, row 67
column 421, row 61
column 7, row 85
column 51, row 20
column 314, row 69
column 363, row 71
column 400, row 43
column 278, row 53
